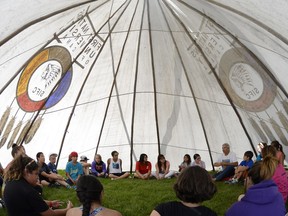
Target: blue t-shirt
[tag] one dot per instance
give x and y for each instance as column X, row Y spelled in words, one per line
column 52, row 167
column 74, row 170
column 247, row 163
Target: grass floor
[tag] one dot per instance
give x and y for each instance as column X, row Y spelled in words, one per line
column 134, row 197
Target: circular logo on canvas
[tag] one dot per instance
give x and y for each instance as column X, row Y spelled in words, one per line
column 247, row 82
column 45, row 80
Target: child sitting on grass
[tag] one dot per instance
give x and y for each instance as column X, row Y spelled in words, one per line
column 242, row 169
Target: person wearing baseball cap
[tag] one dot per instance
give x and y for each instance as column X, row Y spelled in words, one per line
column 73, row 169
column 85, row 164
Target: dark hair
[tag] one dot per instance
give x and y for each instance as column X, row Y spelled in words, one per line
column 38, row 155
column 18, row 166
column 189, row 158
column 161, row 156
column 278, row 147
column 141, row 159
column 263, row 170
column 15, row 149
column 88, row 190
column 113, row 152
column 269, row 150
column 195, row 156
column 194, row 185
column 249, row 154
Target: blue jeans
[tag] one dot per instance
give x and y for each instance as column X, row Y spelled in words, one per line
column 227, row 172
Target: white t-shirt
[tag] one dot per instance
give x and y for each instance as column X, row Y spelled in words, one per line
column 115, row 167
column 230, row 158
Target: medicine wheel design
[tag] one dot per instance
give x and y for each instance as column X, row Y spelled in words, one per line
column 36, row 86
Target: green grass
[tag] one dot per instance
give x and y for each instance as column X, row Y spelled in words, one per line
column 134, row 197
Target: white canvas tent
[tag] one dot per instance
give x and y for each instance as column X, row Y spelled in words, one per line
column 152, row 76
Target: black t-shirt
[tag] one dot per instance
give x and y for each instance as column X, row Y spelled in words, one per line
column 177, row 208
column 99, row 167
column 21, row 199
column 45, row 169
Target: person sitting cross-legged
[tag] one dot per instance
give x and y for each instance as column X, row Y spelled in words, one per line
column 143, row 168
column 98, row 167
column 115, row 167
column 162, row 168
column 228, row 161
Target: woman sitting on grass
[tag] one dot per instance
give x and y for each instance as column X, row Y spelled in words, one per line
column 194, row 185
column 162, row 168
column 186, row 162
column 19, row 194
column 90, row 193
column 143, row 168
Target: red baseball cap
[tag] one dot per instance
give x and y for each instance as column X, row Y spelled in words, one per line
column 74, row 154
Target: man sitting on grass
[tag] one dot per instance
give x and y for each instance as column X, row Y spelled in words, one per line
column 228, row 161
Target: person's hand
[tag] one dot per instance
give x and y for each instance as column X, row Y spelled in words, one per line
column 69, row 204
column 217, row 164
column 56, row 203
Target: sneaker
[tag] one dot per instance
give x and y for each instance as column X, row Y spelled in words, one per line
column 229, row 181
column 234, row 181
column 2, row 204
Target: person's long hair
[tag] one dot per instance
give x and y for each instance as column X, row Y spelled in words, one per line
column 89, row 190
column 263, row 170
column 18, row 166
column 141, row 159
column 161, row 156
column 278, row 147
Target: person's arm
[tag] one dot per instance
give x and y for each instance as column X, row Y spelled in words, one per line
column 154, row 213
column 84, row 164
column 157, row 170
column 68, row 173
column 93, row 168
column 218, row 163
column 229, row 164
column 80, row 172
column 108, row 164
column 120, row 165
column 57, row 212
column 149, row 171
column 104, row 169
column 167, row 167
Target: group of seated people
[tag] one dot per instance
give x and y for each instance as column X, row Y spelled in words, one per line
column 193, row 185
column 113, row 169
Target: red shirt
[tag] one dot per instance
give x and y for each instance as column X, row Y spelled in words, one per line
column 143, row 167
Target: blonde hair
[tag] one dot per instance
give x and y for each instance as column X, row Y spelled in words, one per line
column 263, row 170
